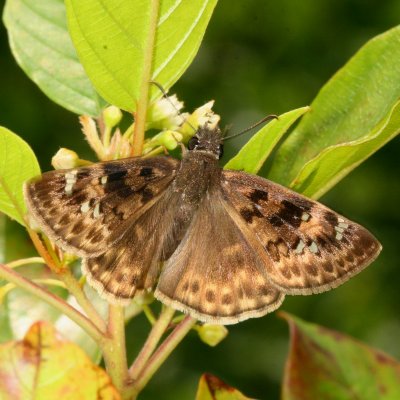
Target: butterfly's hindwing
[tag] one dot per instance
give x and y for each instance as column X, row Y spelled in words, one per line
column 306, row 247
column 86, row 210
column 133, row 263
column 214, row 274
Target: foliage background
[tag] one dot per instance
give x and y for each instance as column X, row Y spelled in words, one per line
column 258, row 57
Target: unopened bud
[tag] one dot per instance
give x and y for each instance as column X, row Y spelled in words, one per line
column 112, row 116
column 212, row 334
column 64, row 159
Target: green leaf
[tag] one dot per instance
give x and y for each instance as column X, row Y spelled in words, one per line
column 212, row 388
column 48, row 366
column 116, row 53
column 253, row 154
column 347, row 108
column 41, row 44
column 325, row 364
column 335, row 162
column 17, row 164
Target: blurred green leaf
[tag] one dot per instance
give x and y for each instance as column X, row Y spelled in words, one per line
column 41, row 44
column 17, row 164
column 325, row 364
column 212, row 388
column 347, row 108
column 65, row 370
column 253, row 154
column 335, row 162
column 115, row 52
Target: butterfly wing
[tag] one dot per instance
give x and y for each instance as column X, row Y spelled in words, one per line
column 86, row 210
column 306, row 247
column 134, row 262
column 214, row 274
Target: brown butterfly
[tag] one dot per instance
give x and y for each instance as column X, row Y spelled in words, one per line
column 220, row 245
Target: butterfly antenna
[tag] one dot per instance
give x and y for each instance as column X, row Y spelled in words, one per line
column 165, row 94
column 265, row 119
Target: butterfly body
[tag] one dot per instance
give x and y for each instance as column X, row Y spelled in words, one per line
column 223, row 246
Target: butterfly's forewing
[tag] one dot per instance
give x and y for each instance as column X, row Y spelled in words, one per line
column 86, row 210
column 306, row 247
column 214, row 274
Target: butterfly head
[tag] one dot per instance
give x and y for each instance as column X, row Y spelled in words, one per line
column 207, row 140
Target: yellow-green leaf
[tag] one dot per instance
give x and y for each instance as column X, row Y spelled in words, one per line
column 347, row 108
column 333, row 163
column 41, row 44
column 45, row 366
column 253, row 154
column 17, row 164
column 114, row 42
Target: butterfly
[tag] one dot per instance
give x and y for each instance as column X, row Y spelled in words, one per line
column 220, row 245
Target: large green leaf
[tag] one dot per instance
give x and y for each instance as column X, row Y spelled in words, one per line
column 328, row 365
column 17, row 164
column 333, row 163
column 253, row 154
column 45, row 366
column 41, row 44
column 347, row 108
column 114, row 41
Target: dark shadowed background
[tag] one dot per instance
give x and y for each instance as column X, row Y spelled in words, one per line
column 258, row 57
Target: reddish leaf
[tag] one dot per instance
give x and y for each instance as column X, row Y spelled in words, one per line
column 212, row 388
column 328, row 365
column 45, row 366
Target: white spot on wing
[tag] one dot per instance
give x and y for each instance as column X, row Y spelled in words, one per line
column 300, row 247
column 96, row 211
column 85, row 207
column 103, row 180
column 305, row 216
column 313, row 247
column 339, row 236
column 68, row 188
column 70, row 180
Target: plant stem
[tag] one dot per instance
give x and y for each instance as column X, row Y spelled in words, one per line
column 53, row 264
column 154, row 152
column 150, row 345
column 52, row 299
column 141, row 109
column 25, row 261
column 161, row 355
column 114, row 347
column 76, row 290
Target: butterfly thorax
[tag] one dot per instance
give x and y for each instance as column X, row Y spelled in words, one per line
column 199, row 174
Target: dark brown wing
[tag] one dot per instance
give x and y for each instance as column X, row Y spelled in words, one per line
column 306, row 247
column 86, row 210
column 214, row 274
column 133, row 263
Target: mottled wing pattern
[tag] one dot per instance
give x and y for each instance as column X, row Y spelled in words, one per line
column 306, row 247
column 214, row 274
column 133, row 263
column 86, row 210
